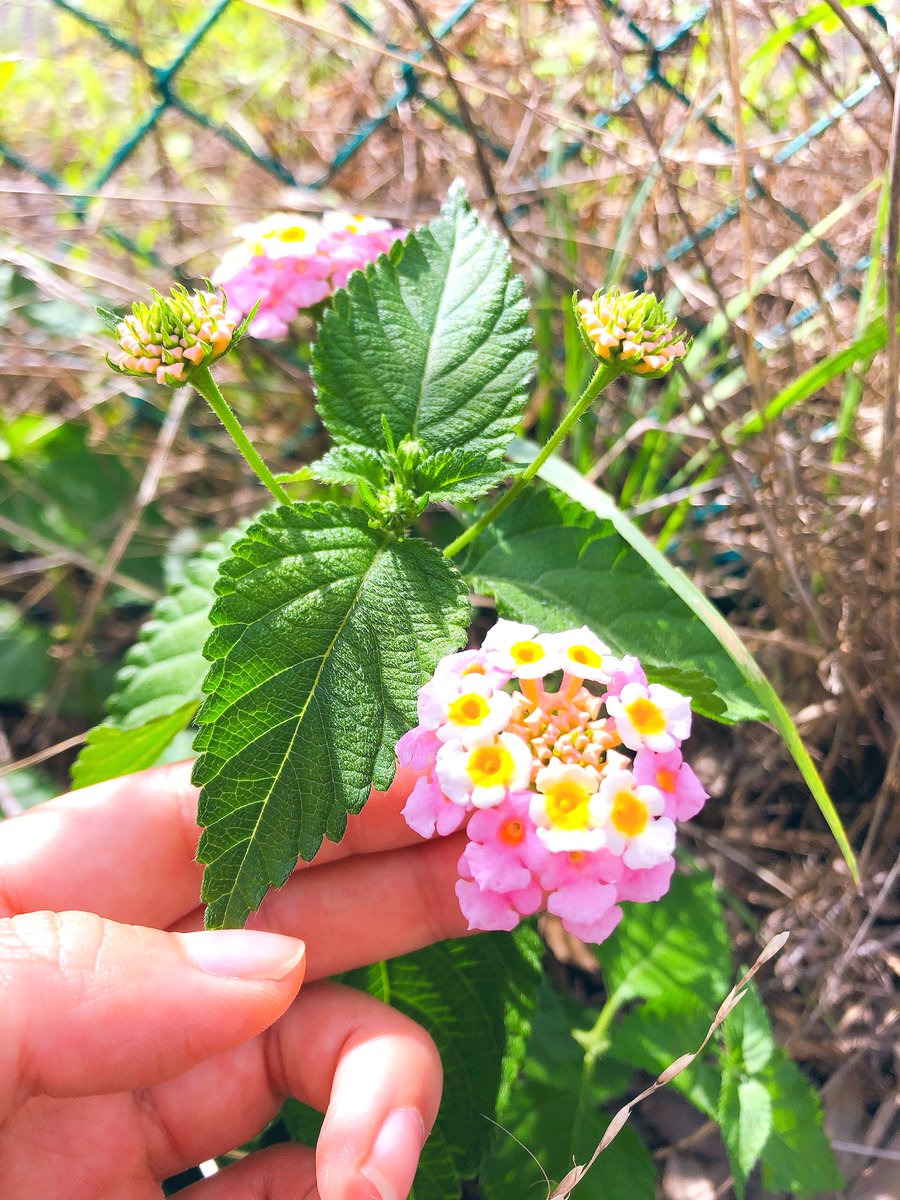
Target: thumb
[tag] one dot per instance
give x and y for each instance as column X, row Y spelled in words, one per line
column 90, row 1006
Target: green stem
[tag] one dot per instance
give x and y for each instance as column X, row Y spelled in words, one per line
column 604, row 375
column 202, row 380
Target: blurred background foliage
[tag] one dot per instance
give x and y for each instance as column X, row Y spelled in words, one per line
column 737, row 157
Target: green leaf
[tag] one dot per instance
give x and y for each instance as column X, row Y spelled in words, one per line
column 552, row 563
column 555, row 1113
column 25, row 663
column 653, row 1035
column 459, row 476
column 323, row 631
column 475, row 997
column 560, row 474
column 110, row 752
column 351, row 465
column 678, row 943
column 797, row 1158
column 748, row 1033
column 433, row 337
column 158, row 689
column 745, row 1116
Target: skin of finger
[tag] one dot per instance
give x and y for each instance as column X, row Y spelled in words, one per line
column 92, row 1006
column 277, row 1173
column 367, row 908
column 106, row 848
column 335, row 1049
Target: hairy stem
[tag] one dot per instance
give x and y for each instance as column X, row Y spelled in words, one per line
column 203, row 381
column 604, row 375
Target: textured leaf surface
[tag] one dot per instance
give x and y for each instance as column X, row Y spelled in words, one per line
column 475, row 997
column 323, row 631
column 158, row 688
column 110, row 752
column 745, row 1115
column 660, row 1030
column 433, row 337
column 459, row 476
column 797, row 1157
column 556, row 1112
column 550, row 562
column 678, row 943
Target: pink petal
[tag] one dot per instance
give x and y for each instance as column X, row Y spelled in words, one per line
column 647, row 885
column 485, row 910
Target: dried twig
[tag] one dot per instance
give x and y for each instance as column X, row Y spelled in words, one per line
column 564, row 1188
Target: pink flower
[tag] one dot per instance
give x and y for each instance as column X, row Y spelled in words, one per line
column 587, row 909
column 418, row 748
column 651, row 883
column 682, row 791
column 290, row 263
column 562, row 814
column 428, row 811
column 503, row 848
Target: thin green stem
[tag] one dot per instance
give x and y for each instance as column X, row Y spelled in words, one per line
column 202, row 380
column 602, row 376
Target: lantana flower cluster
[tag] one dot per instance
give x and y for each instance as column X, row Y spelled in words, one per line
column 632, row 330
column 565, row 766
column 289, row 263
column 169, row 337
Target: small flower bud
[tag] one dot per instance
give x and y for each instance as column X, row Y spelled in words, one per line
column 174, row 335
column 632, row 331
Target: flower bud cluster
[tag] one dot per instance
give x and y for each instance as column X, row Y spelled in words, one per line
column 174, row 334
column 564, row 765
column 633, row 331
column 289, row 263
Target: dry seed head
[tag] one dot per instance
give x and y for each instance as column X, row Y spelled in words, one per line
column 631, row 330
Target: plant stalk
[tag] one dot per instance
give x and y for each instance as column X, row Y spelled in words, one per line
column 604, row 375
column 202, row 380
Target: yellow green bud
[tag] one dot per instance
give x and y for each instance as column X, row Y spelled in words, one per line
column 172, row 336
column 630, row 330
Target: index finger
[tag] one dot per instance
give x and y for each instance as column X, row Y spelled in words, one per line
column 126, row 849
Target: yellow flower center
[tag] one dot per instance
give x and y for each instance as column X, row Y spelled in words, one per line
column 666, row 779
column 491, row 766
column 293, row 233
column 524, row 653
column 474, row 669
column 585, row 656
column 470, row 709
column 646, row 716
column 629, row 815
column 567, row 805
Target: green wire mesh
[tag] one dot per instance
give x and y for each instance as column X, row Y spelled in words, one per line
column 166, row 97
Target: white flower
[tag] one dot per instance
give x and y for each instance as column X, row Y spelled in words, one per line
column 471, row 710
column 567, row 811
column 519, row 650
column 583, row 654
column 635, row 829
column 654, row 716
column 483, row 774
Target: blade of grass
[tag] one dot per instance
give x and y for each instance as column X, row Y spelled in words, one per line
column 718, row 327
column 561, row 475
column 872, row 292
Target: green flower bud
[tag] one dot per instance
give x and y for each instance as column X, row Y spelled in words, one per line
column 175, row 334
column 632, row 331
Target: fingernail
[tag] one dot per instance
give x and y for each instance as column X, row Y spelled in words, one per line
column 243, row 953
column 392, row 1165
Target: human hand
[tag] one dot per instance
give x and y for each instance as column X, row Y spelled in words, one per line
column 134, row 1045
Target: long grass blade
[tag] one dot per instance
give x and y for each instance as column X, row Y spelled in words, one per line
column 561, row 475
